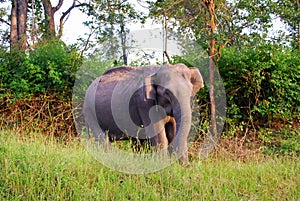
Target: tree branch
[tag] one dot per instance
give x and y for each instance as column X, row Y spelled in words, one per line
column 61, row 21
column 223, row 45
column 56, row 8
column 87, row 42
column 4, row 21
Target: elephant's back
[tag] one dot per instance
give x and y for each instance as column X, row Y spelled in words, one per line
column 121, row 69
column 116, row 74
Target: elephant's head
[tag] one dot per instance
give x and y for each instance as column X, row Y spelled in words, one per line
column 173, row 87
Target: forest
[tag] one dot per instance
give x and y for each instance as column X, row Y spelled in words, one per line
column 255, row 45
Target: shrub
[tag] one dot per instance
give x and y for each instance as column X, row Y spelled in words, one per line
column 37, row 88
column 262, row 84
column 49, row 68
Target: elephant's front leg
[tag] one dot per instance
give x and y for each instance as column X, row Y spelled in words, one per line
column 170, row 128
column 159, row 139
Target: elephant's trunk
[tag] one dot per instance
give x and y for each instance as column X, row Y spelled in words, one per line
column 183, row 117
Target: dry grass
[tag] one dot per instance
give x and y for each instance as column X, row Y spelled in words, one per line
column 47, row 115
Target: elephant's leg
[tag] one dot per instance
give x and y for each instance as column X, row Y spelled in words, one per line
column 159, row 140
column 170, row 128
column 93, row 125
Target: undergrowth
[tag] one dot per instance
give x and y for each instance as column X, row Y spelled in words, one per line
column 48, row 115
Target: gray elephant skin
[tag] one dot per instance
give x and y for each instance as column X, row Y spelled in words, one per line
column 151, row 102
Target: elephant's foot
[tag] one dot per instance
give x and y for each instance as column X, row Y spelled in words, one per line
column 184, row 161
column 160, row 142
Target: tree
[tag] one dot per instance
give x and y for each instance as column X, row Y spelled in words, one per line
column 108, row 26
column 288, row 11
column 210, row 5
column 37, row 15
column 49, row 11
column 18, row 25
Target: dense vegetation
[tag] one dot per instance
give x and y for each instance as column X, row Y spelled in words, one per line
column 262, row 84
column 262, row 88
column 50, row 68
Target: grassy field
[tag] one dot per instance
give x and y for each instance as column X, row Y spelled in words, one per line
column 34, row 168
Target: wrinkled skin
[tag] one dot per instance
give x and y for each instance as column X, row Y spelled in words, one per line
column 150, row 102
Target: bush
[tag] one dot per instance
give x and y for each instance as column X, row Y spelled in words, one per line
column 49, row 68
column 37, row 88
column 262, row 84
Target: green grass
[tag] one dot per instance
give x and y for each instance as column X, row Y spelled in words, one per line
column 34, row 168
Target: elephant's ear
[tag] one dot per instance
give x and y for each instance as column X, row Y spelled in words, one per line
column 196, row 80
column 150, row 92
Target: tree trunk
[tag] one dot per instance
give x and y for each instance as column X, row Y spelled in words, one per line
column 18, row 27
column 210, row 143
column 112, row 43
column 49, row 17
column 14, row 26
column 298, row 34
column 211, row 8
column 123, row 43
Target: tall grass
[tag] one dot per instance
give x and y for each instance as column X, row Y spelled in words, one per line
column 35, row 168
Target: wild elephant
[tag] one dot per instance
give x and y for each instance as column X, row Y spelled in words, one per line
column 152, row 102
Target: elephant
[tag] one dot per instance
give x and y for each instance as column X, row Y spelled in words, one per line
column 151, row 102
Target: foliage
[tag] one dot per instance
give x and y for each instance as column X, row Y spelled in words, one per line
column 284, row 141
column 287, row 11
column 108, row 24
column 49, row 68
column 37, row 88
column 237, row 22
column 262, row 84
